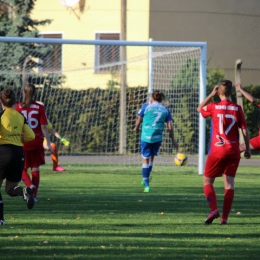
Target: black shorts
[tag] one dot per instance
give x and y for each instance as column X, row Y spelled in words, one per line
column 11, row 162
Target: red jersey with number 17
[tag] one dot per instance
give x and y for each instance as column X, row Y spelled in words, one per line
column 226, row 118
column 36, row 116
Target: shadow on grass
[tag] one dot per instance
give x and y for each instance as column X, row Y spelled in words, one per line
column 107, row 216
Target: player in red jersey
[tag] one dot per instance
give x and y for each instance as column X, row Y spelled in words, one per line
column 34, row 151
column 54, row 156
column 255, row 141
column 224, row 154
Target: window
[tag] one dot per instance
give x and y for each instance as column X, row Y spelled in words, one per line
column 51, row 59
column 106, row 56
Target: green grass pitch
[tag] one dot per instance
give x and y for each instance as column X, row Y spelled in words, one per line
column 88, row 212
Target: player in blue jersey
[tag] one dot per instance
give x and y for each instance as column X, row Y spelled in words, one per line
column 153, row 116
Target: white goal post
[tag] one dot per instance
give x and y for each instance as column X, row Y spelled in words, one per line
column 92, row 90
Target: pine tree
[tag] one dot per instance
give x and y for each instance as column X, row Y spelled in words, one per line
column 19, row 58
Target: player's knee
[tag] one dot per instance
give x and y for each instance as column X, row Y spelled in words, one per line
column 9, row 191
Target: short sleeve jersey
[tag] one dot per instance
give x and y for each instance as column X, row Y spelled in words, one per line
column 36, row 116
column 154, row 116
column 12, row 125
column 226, row 118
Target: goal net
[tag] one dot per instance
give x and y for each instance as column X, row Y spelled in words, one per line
column 92, row 91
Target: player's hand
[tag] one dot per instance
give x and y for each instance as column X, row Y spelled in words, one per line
column 214, row 91
column 238, row 86
column 65, row 141
column 247, row 154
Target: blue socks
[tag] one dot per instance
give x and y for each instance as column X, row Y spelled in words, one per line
column 146, row 174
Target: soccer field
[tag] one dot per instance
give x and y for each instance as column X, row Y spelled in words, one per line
column 89, row 213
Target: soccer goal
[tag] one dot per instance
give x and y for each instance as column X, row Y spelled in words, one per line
column 92, row 91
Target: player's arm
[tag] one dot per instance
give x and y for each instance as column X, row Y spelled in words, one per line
column 46, row 134
column 171, row 134
column 247, row 153
column 248, row 96
column 208, row 98
column 138, row 123
column 28, row 134
column 56, row 134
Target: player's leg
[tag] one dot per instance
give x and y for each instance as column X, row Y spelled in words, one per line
column 211, row 197
column 13, row 189
column 11, row 165
column 14, row 174
column 213, row 169
column 35, row 181
column 150, row 167
column 39, row 159
column 54, row 156
column 55, row 160
column 155, row 152
column 146, row 173
column 26, row 179
column 229, row 185
column 146, row 155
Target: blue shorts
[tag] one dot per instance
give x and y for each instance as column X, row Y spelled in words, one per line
column 150, row 149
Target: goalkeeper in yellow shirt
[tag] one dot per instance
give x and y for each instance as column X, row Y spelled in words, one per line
column 54, row 156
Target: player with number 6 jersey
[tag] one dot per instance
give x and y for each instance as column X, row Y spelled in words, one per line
column 224, row 154
column 34, row 151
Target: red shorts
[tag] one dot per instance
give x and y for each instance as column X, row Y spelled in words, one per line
column 34, row 158
column 255, row 142
column 215, row 167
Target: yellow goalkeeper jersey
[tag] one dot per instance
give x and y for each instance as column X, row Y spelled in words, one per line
column 12, row 126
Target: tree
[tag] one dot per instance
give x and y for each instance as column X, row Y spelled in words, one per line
column 19, row 58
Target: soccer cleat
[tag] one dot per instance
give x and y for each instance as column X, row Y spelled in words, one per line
column 35, row 199
column 28, row 197
column 213, row 214
column 223, row 221
column 147, row 189
column 59, row 169
column 2, row 222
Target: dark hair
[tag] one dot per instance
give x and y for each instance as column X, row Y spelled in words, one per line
column 158, row 96
column 227, row 87
column 29, row 92
column 7, row 97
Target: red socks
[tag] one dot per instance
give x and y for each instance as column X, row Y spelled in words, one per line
column 210, row 196
column 35, row 182
column 227, row 204
column 212, row 201
column 26, row 178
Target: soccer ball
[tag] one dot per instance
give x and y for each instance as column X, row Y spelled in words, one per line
column 180, row 159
